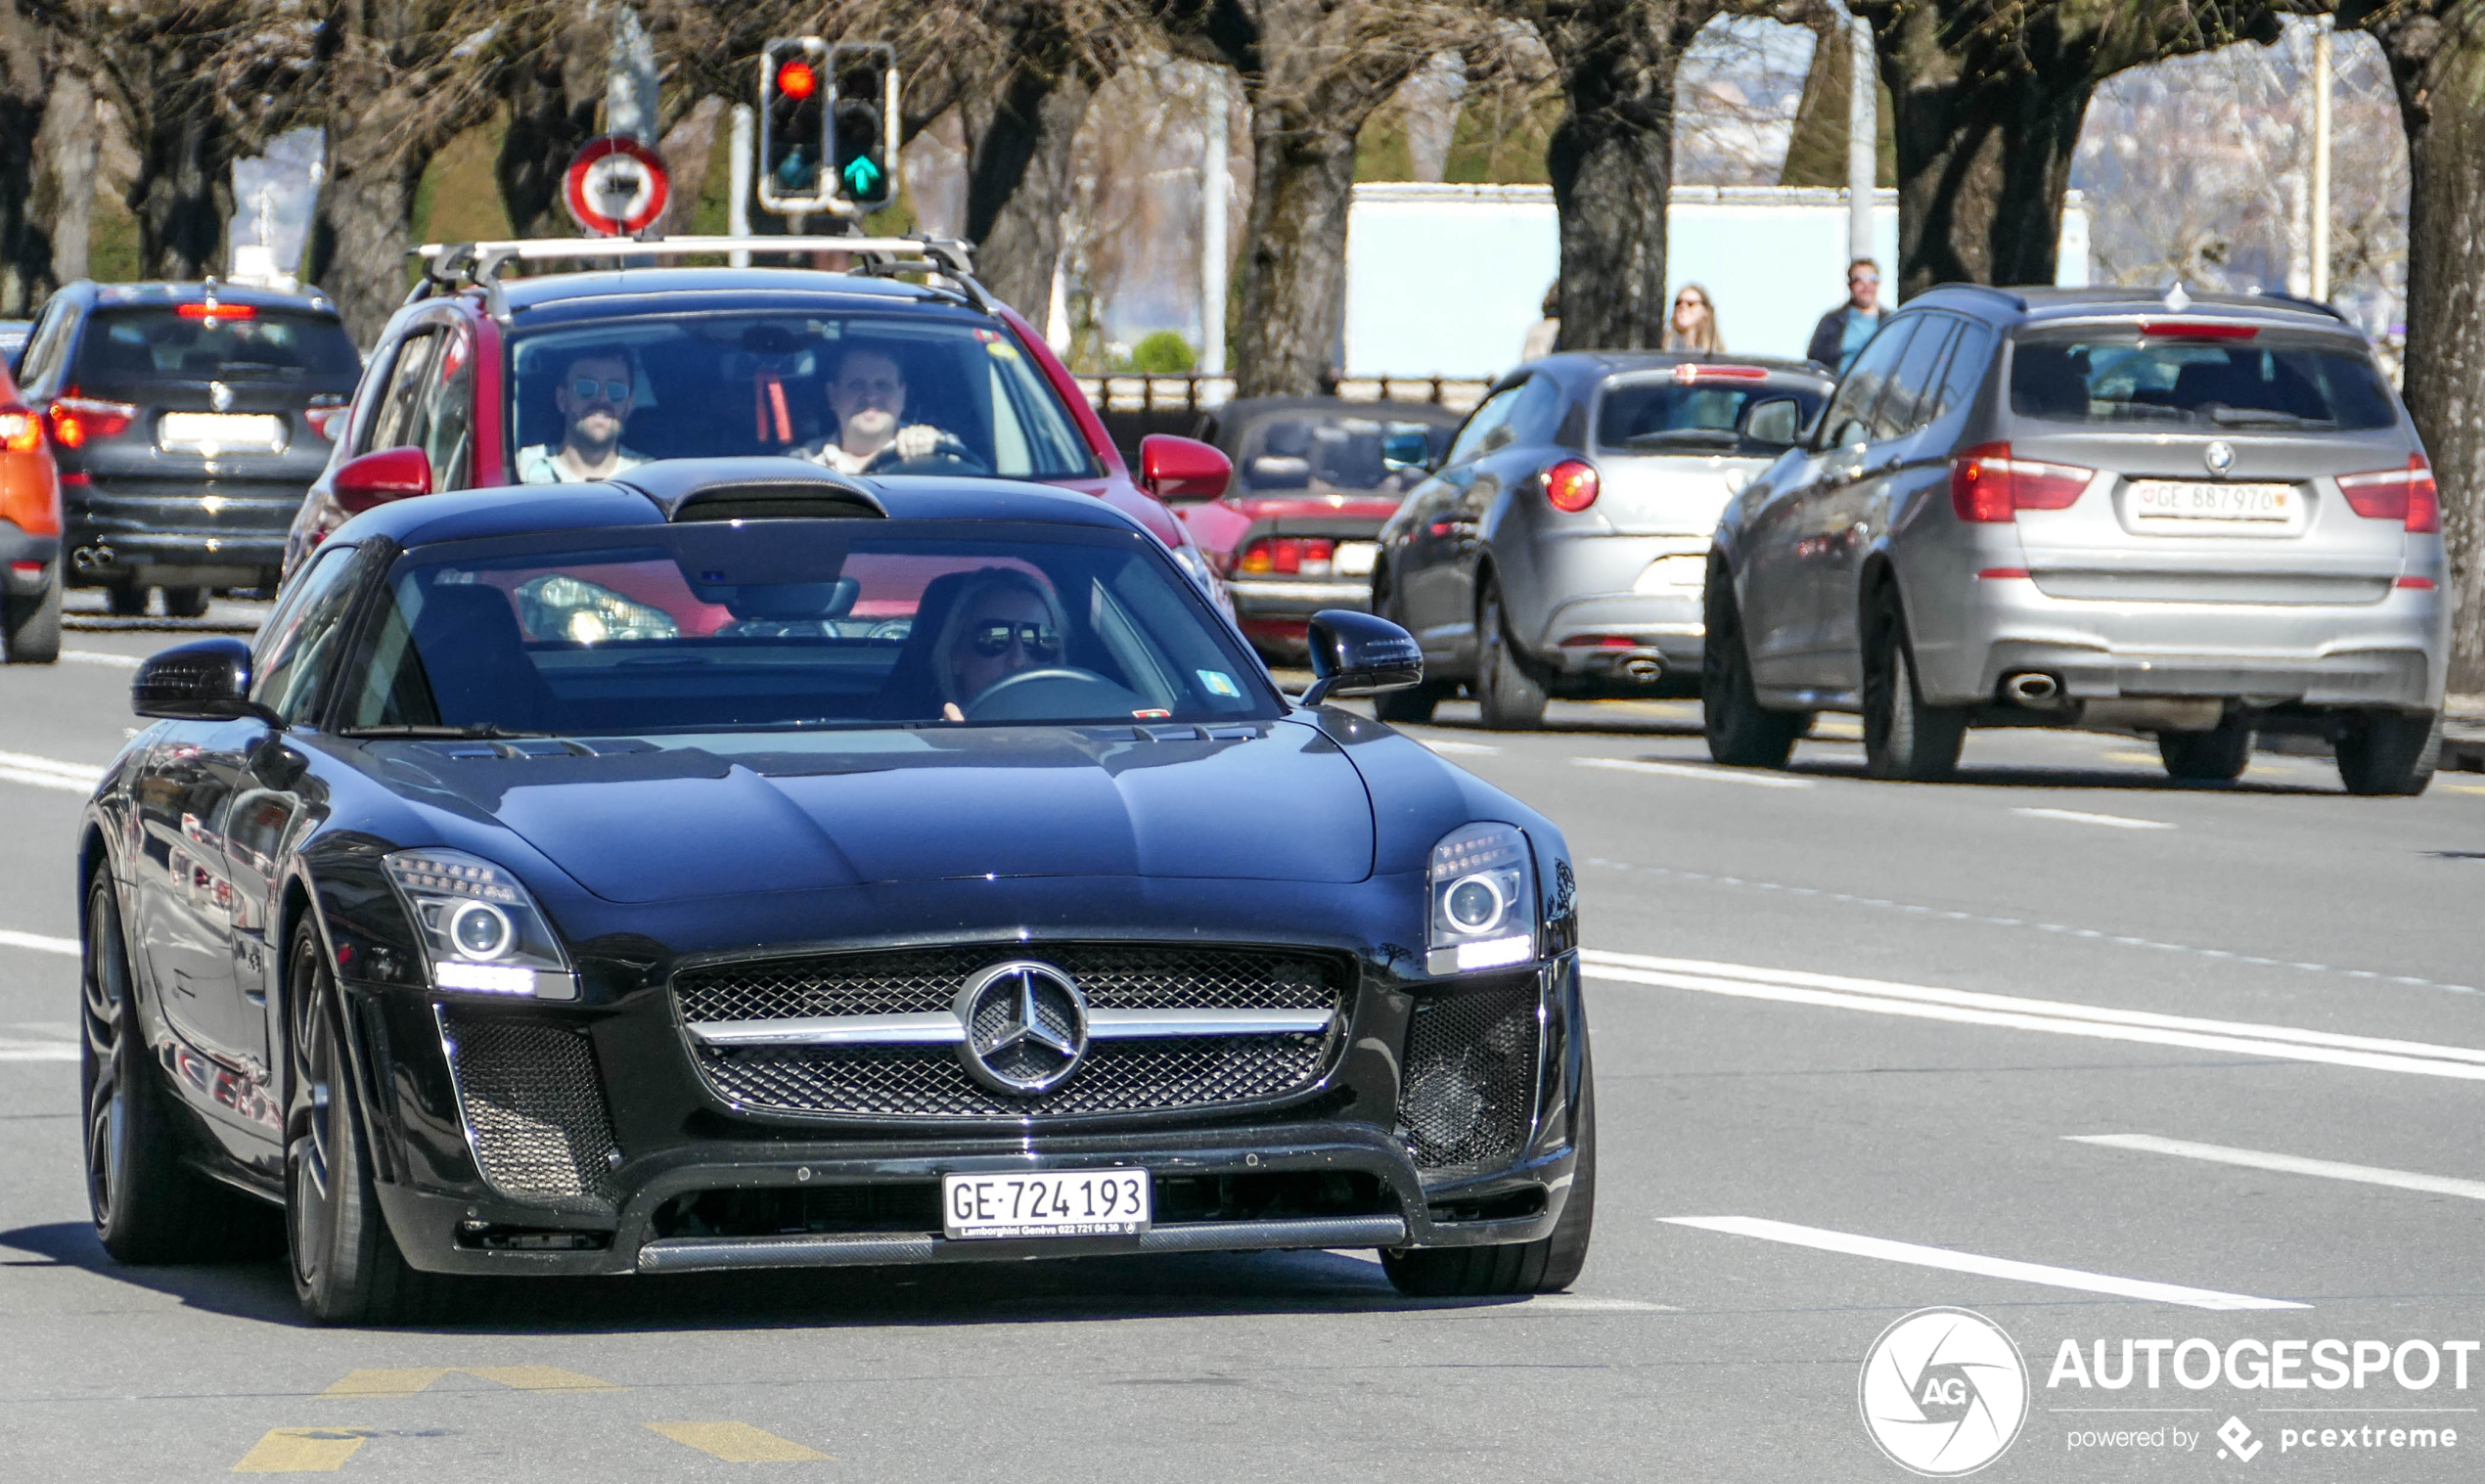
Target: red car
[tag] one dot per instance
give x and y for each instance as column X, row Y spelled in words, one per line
column 29, row 534
column 484, row 381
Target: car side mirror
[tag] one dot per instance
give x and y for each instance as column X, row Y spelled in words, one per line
column 1406, row 450
column 1358, row 653
column 1180, row 470
column 204, row 680
column 380, row 476
column 1778, row 421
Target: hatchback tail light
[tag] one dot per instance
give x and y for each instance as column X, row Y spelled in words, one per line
column 20, row 431
column 1288, row 556
column 76, row 419
column 1988, row 484
column 2405, row 495
column 1571, row 486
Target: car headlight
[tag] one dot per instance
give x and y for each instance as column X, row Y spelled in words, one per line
column 481, row 930
column 560, row 606
column 1484, row 901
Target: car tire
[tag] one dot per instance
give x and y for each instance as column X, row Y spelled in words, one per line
column 148, row 1205
column 345, row 1263
column 2382, row 753
column 185, row 602
column 1741, row 733
column 1511, row 699
column 1413, row 705
column 2218, row 755
column 126, row 600
column 32, row 627
column 1906, row 738
column 1547, row 1265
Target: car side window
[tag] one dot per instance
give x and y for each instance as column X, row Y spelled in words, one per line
column 1482, row 425
column 1849, row 418
column 402, row 421
column 308, row 635
column 1912, row 387
column 1533, row 416
column 448, row 413
column 1968, row 360
column 43, row 350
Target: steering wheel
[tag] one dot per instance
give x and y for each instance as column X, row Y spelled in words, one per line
column 1049, row 694
column 948, row 456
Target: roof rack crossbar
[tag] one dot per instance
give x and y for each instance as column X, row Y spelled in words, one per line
column 450, row 266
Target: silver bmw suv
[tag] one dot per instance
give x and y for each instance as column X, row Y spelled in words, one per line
column 2201, row 517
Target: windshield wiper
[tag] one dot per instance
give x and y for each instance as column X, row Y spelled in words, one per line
column 2263, row 417
column 1706, row 437
column 481, row 731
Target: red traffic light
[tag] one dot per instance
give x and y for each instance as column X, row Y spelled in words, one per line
column 797, row 80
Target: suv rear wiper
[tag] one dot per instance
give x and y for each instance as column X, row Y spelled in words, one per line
column 481, row 731
column 2263, row 417
column 1702, row 437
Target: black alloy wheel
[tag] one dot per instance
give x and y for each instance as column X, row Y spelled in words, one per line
column 2218, row 755
column 346, row 1267
column 1547, row 1265
column 30, row 625
column 2382, row 753
column 1511, row 699
column 1741, row 733
column 1905, row 737
column 185, row 602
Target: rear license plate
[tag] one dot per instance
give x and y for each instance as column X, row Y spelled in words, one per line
column 1355, row 558
column 1045, row 1203
column 2196, row 499
column 215, row 433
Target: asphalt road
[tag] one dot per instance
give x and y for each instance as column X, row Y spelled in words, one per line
column 1855, row 1042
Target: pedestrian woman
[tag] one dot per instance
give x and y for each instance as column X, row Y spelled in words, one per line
column 1693, row 325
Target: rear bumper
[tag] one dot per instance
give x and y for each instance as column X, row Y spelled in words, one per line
column 207, row 532
column 1276, row 611
column 18, row 547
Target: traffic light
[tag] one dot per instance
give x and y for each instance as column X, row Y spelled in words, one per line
column 862, row 100
column 794, row 124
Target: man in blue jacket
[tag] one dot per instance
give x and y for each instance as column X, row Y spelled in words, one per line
column 1843, row 331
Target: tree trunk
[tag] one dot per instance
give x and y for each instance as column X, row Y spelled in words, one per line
column 2437, row 61
column 552, row 114
column 25, row 249
column 688, row 147
column 71, row 150
column 365, row 222
column 1292, row 288
column 1019, row 168
column 1816, row 150
column 183, row 196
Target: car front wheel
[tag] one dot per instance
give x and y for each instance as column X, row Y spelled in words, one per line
column 32, row 624
column 1741, row 732
column 1547, row 1265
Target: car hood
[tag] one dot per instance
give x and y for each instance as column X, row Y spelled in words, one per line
column 715, row 816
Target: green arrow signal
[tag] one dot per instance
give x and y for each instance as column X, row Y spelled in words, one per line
column 861, row 175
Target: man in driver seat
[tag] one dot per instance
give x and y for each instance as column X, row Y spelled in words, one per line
column 868, row 394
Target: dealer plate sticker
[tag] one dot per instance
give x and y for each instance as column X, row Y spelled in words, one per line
column 1045, row 1203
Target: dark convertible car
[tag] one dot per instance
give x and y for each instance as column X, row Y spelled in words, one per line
column 740, row 865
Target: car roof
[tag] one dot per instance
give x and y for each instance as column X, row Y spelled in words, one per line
column 1244, row 410
column 644, row 496
column 118, row 296
column 717, row 288
column 1571, row 365
column 2045, row 304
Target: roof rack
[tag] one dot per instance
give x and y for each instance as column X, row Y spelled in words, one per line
column 448, row 267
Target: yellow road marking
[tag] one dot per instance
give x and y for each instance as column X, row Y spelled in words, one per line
column 410, row 1380
column 2136, row 757
column 736, row 1442
column 2462, row 788
column 301, row 1450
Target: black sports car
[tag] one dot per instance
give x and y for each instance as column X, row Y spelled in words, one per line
column 738, row 865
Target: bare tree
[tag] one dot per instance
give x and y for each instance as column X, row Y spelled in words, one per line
column 28, row 59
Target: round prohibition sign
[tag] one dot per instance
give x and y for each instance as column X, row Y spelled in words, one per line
column 616, row 186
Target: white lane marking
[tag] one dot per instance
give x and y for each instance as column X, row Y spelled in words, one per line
column 2288, row 1164
column 1853, row 900
column 1439, row 746
column 2081, row 817
column 39, row 1050
column 1970, row 1262
column 98, row 657
column 38, row 942
column 48, row 772
column 2052, row 1016
column 1753, row 779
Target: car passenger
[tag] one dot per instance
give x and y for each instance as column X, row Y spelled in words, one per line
column 596, row 394
column 1004, row 624
column 868, row 394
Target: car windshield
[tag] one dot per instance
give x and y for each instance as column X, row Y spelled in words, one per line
column 1661, row 415
column 924, row 392
column 2105, row 377
column 1329, row 452
column 777, row 624
column 241, row 342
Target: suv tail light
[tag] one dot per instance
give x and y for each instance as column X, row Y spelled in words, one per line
column 1571, row 486
column 326, row 422
column 1987, row 485
column 76, row 419
column 2405, row 495
column 20, row 431
column 1288, row 556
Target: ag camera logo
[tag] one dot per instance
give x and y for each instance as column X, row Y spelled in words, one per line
column 1944, row 1392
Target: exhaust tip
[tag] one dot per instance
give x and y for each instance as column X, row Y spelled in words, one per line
column 2032, row 688
column 1642, row 669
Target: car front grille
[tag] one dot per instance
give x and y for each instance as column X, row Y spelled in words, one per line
column 931, row 1082
column 1469, row 1092
column 536, row 1108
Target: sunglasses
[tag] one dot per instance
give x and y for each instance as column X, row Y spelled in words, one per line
column 1041, row 641
column 585, row 389
column 1864, row 278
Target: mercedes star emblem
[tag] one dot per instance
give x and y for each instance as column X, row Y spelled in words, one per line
column 2218, row 456
column 1026, row 1027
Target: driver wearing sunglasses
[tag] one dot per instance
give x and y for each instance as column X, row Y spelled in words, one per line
column 1005, row 622
column 595, row 396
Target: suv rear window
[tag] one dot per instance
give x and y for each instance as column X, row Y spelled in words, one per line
column 242, row 344
column 2089, row 377
column 1664, row 416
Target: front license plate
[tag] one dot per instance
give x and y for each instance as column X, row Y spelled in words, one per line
column 1045, row 1203
column 2193, row 500
column 214, row 433
column 1355, row 558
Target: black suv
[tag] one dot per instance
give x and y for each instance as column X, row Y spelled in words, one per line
column 187, row 419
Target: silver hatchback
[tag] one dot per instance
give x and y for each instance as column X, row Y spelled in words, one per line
column 2199, row 517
